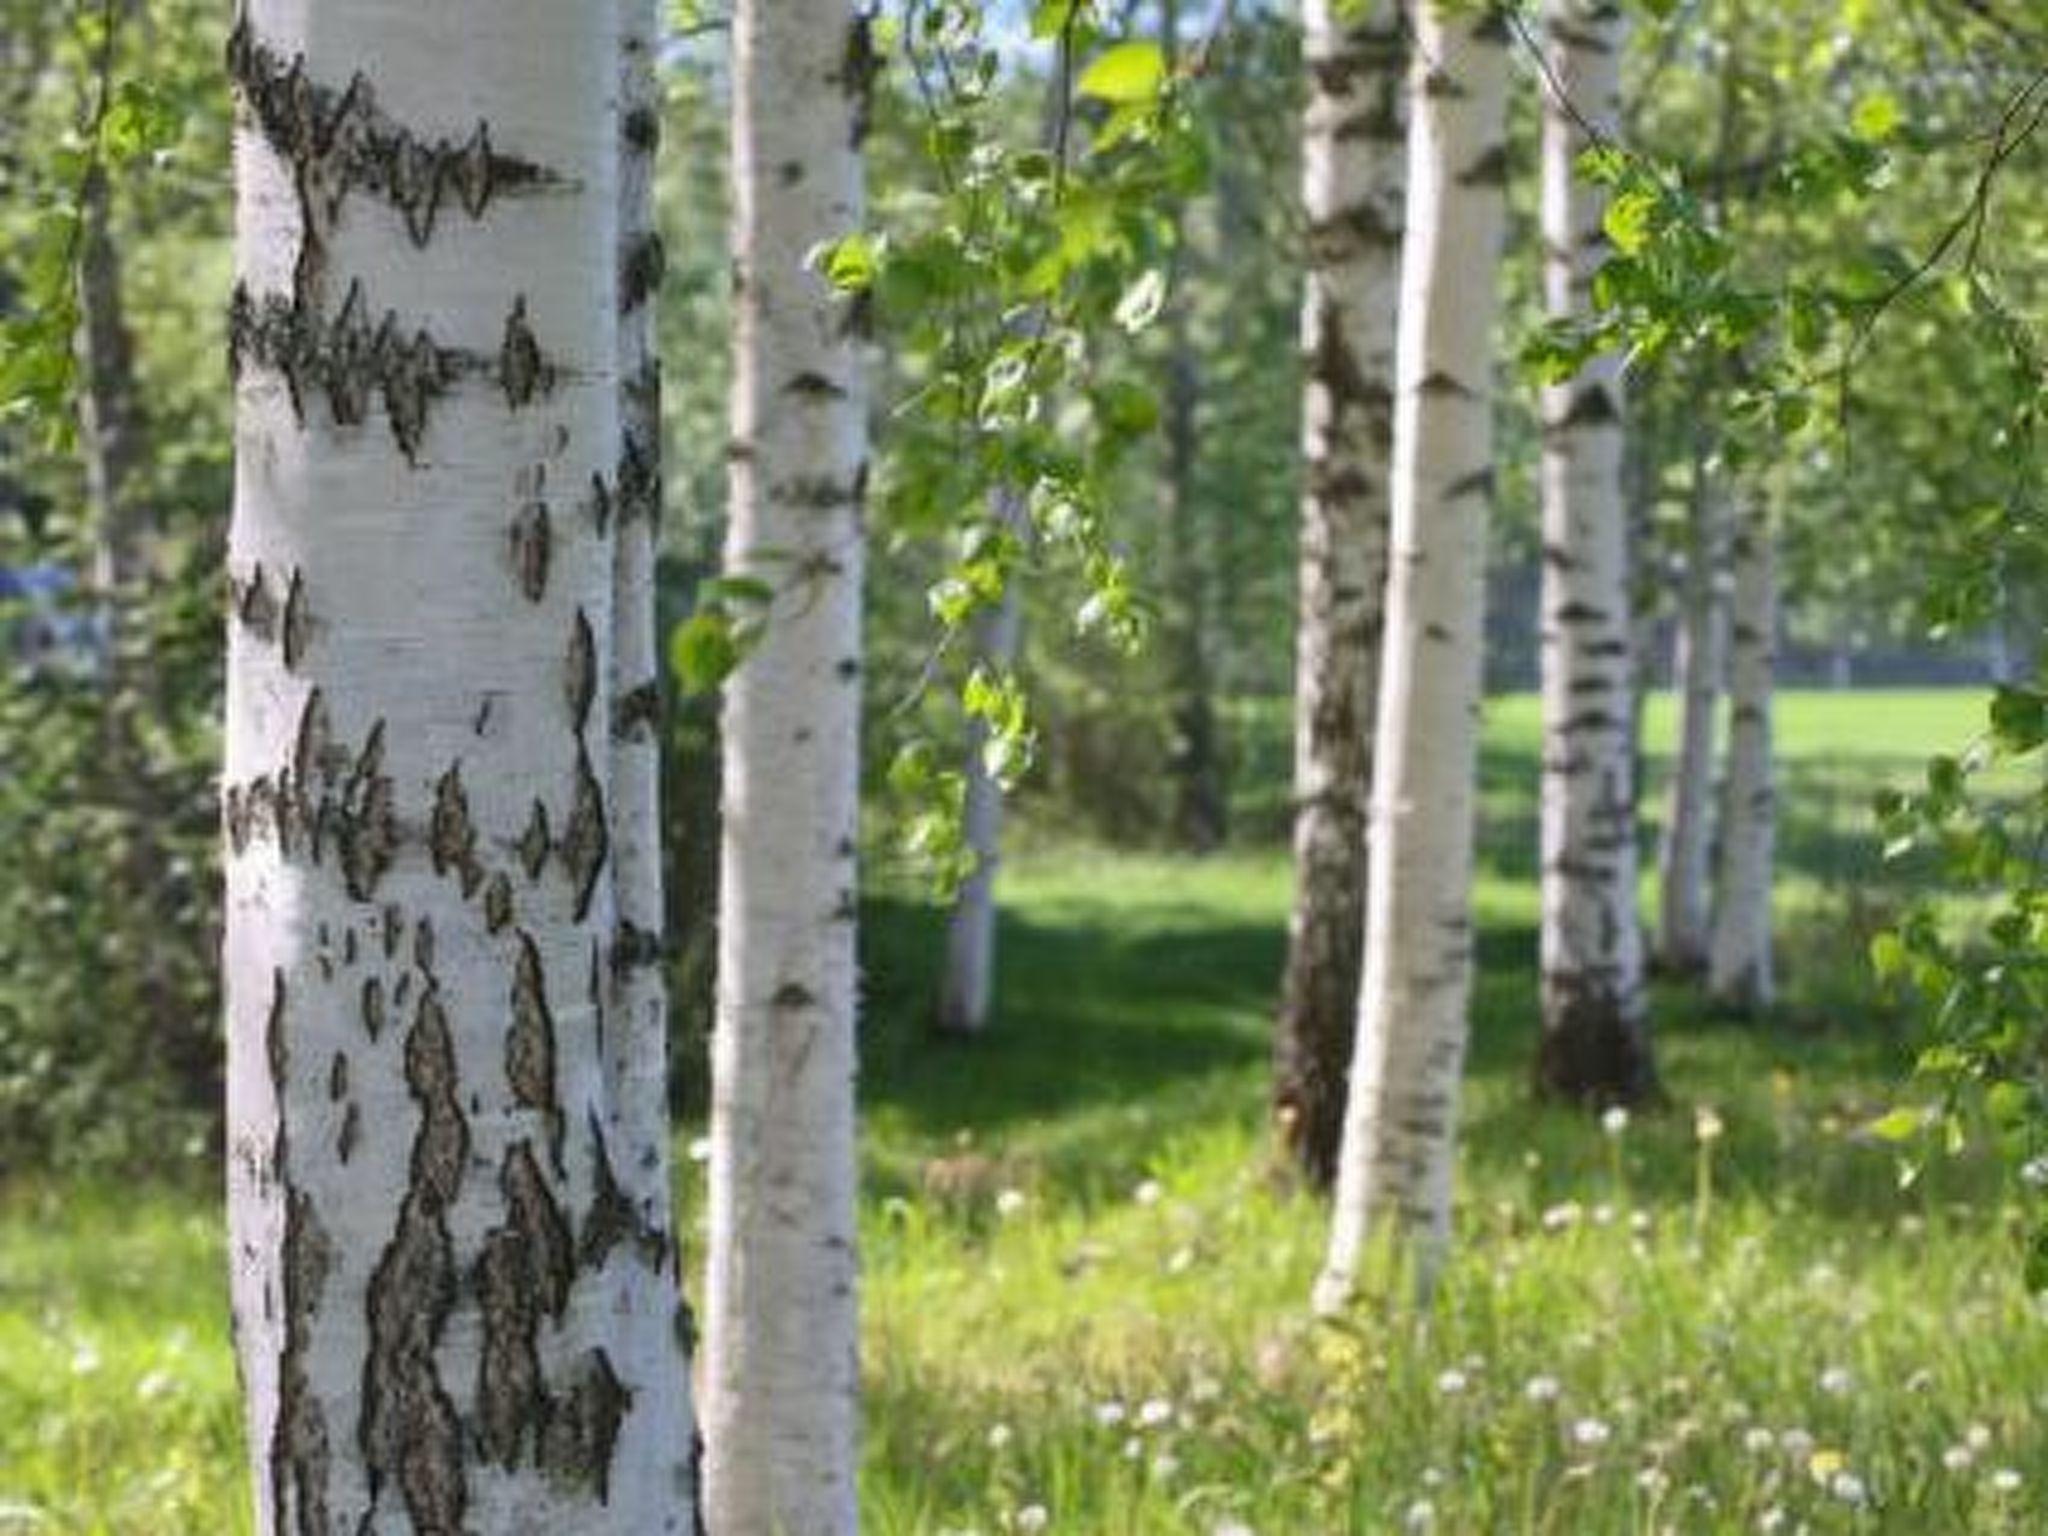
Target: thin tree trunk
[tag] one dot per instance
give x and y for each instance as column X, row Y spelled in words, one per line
column 1685, row 855
column 1394, row 1170
column 1201, row 804
column 1739, row 971
column 969, row 980
column 637, row 1027
column 781, row 1371
column 457, row 1306
column 1596, row 1038
column 112, row 431
column 1354, row 143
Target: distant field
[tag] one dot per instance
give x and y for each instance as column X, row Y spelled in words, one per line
column 1085, row 1288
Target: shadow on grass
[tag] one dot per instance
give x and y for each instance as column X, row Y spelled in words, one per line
column 1089, row 1015
column 1121, row 1031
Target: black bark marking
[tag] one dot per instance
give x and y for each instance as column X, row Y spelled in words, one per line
column 366, row 826
column 639, row 493
column 530, row 546
column 583, row 1426
column 299, row 1449
column 815, row 386
column 253, row 603
column 635, row 948
column 498, row 902
column 1479, row 483
column 585, row 839
column 1489, row 170
column 522, row 371
column 347, row 358
column 410, row 1432
column 298, row 624
column 641, row 130
column 339, row 141
column 337, row 1078
column 273, row 1037
column 858, row 68
column 599, row 507
column 451, row 834
column 637, row 712
column 523, row 1272
column 641, row 267
column 530, row 1046
column 612, row 1220
column 423, row 947
column 579, row 672
column 351, row 1132
column 535, row 843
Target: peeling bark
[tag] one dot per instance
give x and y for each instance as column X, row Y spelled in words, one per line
column 1595, row 1046
column 1354, row 139
column 1395, row 1163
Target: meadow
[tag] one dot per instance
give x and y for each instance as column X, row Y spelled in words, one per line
column 1085, row 1285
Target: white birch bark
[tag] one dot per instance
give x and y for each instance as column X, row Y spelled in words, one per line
column 967, row 984
column 1739, row 970
column 781, row 1373
column 1395, row 1168
column 1685, row 854
column 637, row 1028
column 1596, row 1043
column 450, row 1316
column 1354, row 166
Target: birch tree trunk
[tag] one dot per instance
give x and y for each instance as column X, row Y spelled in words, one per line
column 969, row 980
column 1596, row 1041
column 1739, row 953
column 782, row 1371
column 637, row 1033
column 1685, row 855
column 1354, row 148
column 455, row 1288
column 1395, row 1167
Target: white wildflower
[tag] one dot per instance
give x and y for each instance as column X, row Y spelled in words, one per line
column 1009, row 1202
column 1958, row 1458
column 2006, row 1480
column 1154, row 1412
column 1849, row 1488
column 1836, row 1381
column 999, row 1435
column 1451, row 1383
column 1542, row 1389
column 1148, row 1192
column 1590, row 1432
column 1109, row 1413
column 1032, row 1517
column 1614, row 1121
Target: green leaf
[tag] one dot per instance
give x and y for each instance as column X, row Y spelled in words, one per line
column 1128, row 74
column 1876, row 117
column 2019, row 719
column 1630, row 219
column 1902, row 1124
column 850, row 264
column 703, row 651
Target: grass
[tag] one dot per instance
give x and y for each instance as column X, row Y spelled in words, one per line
column 1084, row 1293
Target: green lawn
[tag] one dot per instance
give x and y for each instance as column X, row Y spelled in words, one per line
column 1085, row 1288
